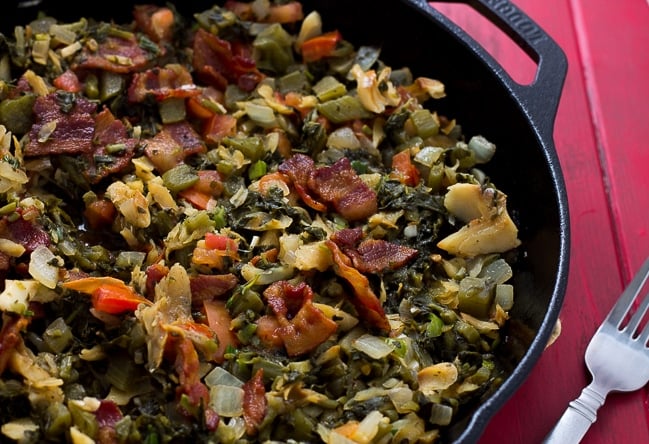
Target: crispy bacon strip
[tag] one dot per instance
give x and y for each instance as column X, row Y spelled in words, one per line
column 299, row 170
column 154, row 274
column 210, row 286
column 57, row 130
column 109, row 131
column 10, row 336
column 28, row 234
column 115, row 54
column 254, row 402
column 365, row 301
column 172, row 145
column 187, row 367
column 108, row 414
column 219, row 62
column 301, row 325
column 174, row 80
column 377, row 255
column 219, row 126
column 372, row 255
column 339, row 185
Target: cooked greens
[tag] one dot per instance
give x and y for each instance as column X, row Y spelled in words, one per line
column 239, row 227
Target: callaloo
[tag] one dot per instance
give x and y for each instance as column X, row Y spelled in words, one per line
column 238, row 226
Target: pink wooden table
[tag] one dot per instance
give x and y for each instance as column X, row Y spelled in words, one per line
column 602, row 138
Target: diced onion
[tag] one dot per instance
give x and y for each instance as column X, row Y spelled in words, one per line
column 11, row 178
column 226, row 400
column 311, row 27
column 220, row 376
column 505, row 296
column 18, row 428
column 428, row 155
column 498, row 271
column 410, row 230
column 437, row 377
column 373, row 346
column 441, row 414
column 343, row 138
column 11, row 248
column 368, row 428
column 43, row 266
column 402, row 399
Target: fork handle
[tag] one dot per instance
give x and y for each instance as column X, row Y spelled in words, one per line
column 578, row 417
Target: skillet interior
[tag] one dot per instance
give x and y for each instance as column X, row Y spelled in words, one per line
column 478, row 99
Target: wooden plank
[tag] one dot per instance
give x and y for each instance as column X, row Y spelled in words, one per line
column 615, row 49
column 591, row 177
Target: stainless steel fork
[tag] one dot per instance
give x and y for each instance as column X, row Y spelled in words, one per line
column 617, row 358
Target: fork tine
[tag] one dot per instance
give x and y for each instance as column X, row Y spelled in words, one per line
column 624, row 304
column 632, row 326
column 644, row 335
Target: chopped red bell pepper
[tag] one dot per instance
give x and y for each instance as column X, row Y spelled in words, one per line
column 109, row 295
column 321, row 46
column 221, row 242
column 116, row 300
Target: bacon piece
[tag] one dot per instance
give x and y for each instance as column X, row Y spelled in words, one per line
column 204, row 338
column 377, row 255
column 174, row 80
column 339, row 185
column 5, row 262
column 372, row 255
column 268, row 329
column 172, row 145
column 109, row 131
column 366, row 302
column 348, row 238
column 184, row 134
column 254, row 402
column 10, row 336
column 115, row 54
column 154, row 274
column 210, row 286
column 218, row 127
column 299, row 169
column 302, row 326
column 187, row 367
column 219, row 62
column 108, row 414
column 28, row 234
column 70, row 132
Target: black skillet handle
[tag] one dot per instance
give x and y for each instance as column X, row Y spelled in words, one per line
column 539, row 99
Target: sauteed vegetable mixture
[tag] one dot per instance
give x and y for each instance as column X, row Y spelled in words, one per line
column 239, row 226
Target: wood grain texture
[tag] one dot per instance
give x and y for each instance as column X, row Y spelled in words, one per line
column 602, row 138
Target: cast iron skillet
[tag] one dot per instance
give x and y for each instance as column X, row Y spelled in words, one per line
column 485, row 100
